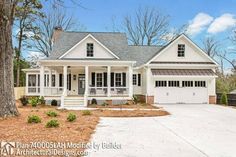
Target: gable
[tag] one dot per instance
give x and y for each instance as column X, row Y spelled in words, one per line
column 192, row 52
column 79, row 51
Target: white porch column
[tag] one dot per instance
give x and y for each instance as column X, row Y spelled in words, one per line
column 108, row 81
column 130, row 81
column 26, row 84
column 65, row 79
column 86, row 92
column 42, row 80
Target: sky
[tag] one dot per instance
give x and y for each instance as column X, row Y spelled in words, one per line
column 205, row 17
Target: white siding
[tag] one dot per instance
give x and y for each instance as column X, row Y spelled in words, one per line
column 81, row 50
column 192, row 54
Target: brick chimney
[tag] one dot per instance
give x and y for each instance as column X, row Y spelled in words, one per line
column 56, row 33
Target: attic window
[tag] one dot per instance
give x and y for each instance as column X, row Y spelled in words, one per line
column 181, row 50
column 89, row 49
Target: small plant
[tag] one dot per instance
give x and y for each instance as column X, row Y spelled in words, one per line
column 52, row 123
column 51, row 114
column 86, row 113
column 224, row 99
column 24, row 100
column 33, row 101
column 71, row 117
column 94, row 102
column 54, row 102
column 104, row 104
column 135, row 99
column 34, row 119
column 41, row 101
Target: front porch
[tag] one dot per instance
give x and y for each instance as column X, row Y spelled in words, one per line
column 81, row 83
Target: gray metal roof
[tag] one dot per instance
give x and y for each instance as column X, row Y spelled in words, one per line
column 114, row 41
column 180, row 72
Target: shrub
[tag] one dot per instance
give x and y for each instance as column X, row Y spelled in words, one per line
column 24, row 100
column 41, row 100
column 224, row 99
column 104, row 104
column 71, row 117
column 52, row 123
column 34, row 119
column 33, row 101
column 135, row 99
column 51, row 114
column 86, row 113
column 94, row 102
column 54, row 102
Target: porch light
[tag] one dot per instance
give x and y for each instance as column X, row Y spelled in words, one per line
column 74, row 77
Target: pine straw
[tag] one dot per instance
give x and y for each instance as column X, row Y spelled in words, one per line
column 135, row 106
column 17, row 129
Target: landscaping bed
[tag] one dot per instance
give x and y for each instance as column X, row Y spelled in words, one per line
column 21, row 129
column 132, row 106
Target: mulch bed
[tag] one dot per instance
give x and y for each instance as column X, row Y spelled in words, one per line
column 132, row 106
column 17, row 129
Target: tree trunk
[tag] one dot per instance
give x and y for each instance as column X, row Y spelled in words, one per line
column 7, row 98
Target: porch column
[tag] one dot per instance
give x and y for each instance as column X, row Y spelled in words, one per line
column 130, row 81
column 108, row 81
column 86, row 92
column 65, row 79
column 86, row 80
column 26, row 84
column 42, row 80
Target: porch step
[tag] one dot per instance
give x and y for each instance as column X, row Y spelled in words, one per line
column 73, row 102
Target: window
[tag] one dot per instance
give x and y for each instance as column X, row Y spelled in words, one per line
column 173, row 83
column 32, row 80
column 134, row 79
column 181, row 50
column 46, row 80
column 161, row 83
column 53, row 80
column 187, row 83
column 99, row 79
column 89, row 49
column 139, row 79
column 200, row 83
column 118, row 80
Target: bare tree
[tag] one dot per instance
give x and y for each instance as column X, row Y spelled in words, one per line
column 57, row 17
column 7, row 98
column 146, row 27
column 230, row 60
column 211, row 46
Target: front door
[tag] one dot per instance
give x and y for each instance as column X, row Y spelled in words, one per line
column 81, row 84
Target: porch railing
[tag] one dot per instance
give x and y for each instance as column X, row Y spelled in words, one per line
column 97, row 91
column 119, row 91
column 53, row 91
column 103, row 91
column 33, row 89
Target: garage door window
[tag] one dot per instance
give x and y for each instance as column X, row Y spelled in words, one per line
column 187, row 83
column 161, row 83
column 173, row 83
column 200, row 83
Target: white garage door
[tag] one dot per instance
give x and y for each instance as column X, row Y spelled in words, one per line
column 180, row 92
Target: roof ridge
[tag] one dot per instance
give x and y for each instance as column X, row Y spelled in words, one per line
column 146, row 45
column 92, row 32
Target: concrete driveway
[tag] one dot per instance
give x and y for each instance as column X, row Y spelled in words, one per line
column 190, row 131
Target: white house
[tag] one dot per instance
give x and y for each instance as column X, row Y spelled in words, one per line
column 103, row 66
